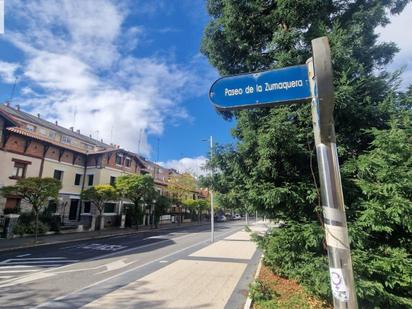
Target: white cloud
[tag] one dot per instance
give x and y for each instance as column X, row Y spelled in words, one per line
column 194, row 166
column 7, row 71
column 397, row 32
column 79, row 71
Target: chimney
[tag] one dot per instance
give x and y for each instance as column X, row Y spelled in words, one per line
column 101, row 140
column 118, row 146
column 56, row 123
column 38, row 115
column 8, row 104
column 18, row 107
column 90, row 135
column 78, row 131
column 72, row 128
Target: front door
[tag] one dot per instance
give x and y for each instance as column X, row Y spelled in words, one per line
column 74, row 204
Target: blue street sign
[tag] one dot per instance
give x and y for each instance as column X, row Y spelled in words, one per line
column 281, row 86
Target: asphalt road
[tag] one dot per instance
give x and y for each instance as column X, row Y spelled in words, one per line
column 71, row 275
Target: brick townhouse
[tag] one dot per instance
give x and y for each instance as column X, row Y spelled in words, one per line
column 34, row 147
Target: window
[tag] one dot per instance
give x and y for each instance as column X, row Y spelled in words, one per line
column 65, row 139
column 109, row 207
column 87, row 146
column 112, row 180
column 87, row 206
column 30, row 128
column 52, row 134
column 77, row 179
column 119, row 159
column 90, row 179
column 58, row 175
column 19, row 170
column 42, row 131
column 128, row 162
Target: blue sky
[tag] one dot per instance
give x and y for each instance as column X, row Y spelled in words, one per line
column 129, row 72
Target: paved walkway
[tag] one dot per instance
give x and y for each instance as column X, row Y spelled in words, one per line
column 207, row 278
column 27, row 242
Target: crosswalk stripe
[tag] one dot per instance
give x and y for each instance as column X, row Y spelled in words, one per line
column 16, row 271
column 35, row 259
column 23, row 255
column 41, row 261
column 17, row 266
column 5, row 277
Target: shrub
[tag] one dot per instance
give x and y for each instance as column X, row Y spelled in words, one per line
column 21, row 228
column 53, row 221
column 259, row 291
column 297, row 252
column 13, row 210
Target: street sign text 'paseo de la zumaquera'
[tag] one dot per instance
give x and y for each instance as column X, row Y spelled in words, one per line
column 281, row 86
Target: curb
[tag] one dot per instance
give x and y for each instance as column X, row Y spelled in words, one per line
column 92, row 237
column 248, row 303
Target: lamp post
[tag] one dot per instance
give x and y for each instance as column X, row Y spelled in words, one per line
column 212, row 212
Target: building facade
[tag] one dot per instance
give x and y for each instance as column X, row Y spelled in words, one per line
column 33, row 147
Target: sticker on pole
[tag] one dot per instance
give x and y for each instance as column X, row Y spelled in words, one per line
column 339, row 288
column 282, row 86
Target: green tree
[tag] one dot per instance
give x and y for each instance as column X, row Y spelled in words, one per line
column 35, row 191
column 161, row 204
column 181, row 187
column 272, row 168
column 99, row 195
column 139, row 189
column 382, row 229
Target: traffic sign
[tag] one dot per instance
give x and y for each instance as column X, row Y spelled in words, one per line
column 281, row 86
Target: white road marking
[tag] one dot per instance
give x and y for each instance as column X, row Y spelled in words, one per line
column 164, row 261
column 23, row 255
column 23, row 273
column 16, row 266
column 156, row 237
column 52, row 303
column 41, row 262
column 26, row 279
column 5, row 277
column 115, row 265
column 17, row 271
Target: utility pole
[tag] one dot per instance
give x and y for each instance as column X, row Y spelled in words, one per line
column 336, row 230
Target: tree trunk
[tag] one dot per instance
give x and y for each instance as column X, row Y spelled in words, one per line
column 36, row 227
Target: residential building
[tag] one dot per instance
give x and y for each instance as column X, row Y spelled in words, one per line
column 34, row 147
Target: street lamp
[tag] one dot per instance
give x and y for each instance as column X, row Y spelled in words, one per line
column 212, row 213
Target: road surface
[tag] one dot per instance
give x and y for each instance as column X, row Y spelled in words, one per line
column 72, row 275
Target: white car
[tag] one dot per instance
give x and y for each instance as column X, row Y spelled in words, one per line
column 237, row 217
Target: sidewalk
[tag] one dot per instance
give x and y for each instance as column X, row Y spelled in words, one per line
column 27, row 242
column 207, row 278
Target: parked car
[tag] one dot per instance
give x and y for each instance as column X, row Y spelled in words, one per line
column 221, row 218
column 237, row 217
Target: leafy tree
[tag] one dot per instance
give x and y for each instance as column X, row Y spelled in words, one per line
column 99, row 195
column 196, row 207
column 180, row 187
column 139, row 189
column 272, row 168
column 36, row 191
column 161, row 204
column 382, row 230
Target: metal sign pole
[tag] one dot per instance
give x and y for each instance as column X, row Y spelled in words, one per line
column 212, row 211
column 337, row 240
